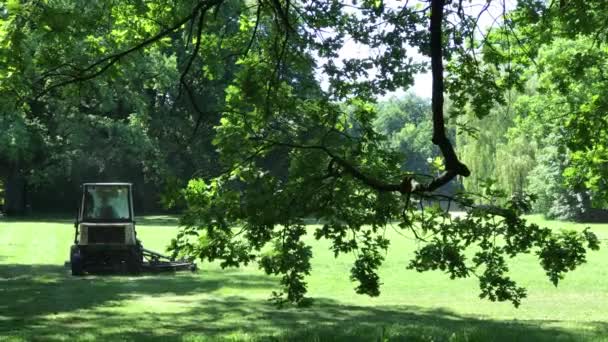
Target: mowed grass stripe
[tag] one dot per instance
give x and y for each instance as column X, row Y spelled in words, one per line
column 39, row 300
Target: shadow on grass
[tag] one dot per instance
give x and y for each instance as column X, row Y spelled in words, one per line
column 36, row 290
column 43, row 302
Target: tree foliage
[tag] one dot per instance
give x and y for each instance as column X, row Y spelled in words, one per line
column 123, row 116
column 559, row 120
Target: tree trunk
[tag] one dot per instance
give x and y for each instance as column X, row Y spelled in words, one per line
column 15, row 188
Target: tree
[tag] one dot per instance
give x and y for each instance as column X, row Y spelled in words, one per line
column 132, row 121
column 338, row 168
column 564, row 117
column 480, row 144
column 405, row 124
column 44, row 135
column 540, row 44
column 349, row 181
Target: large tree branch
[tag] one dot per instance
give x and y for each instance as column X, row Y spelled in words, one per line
column 453, row 166
column 103, row 64
column 407, row 186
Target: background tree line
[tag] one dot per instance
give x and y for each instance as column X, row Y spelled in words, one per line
column 546, row 138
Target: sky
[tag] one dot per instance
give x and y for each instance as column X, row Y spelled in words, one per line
column 423, row 81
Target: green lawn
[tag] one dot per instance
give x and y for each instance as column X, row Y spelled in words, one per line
column 39, row 300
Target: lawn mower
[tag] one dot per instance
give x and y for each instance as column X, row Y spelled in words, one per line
column 105, row 238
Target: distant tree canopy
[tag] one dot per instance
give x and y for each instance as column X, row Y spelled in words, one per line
column 548, row 136
column 223, row 95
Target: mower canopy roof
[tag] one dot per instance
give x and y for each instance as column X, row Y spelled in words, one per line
column 107, row 202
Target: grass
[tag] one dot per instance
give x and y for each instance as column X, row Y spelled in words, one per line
column 39, row 300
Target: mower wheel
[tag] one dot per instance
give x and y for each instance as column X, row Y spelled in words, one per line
column 76, row 262
column 135, row 261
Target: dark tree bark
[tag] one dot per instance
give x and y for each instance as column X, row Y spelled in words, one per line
column 453, row 166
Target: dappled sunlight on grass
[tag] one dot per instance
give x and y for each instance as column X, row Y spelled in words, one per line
column 165, row 307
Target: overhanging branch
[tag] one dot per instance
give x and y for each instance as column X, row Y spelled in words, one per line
column 453, row 166
column 407, row 186
column 103, row 64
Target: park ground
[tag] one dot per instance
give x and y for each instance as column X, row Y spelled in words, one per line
column 39, row 300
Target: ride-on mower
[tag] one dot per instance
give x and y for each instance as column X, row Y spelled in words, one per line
column 105, row 237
